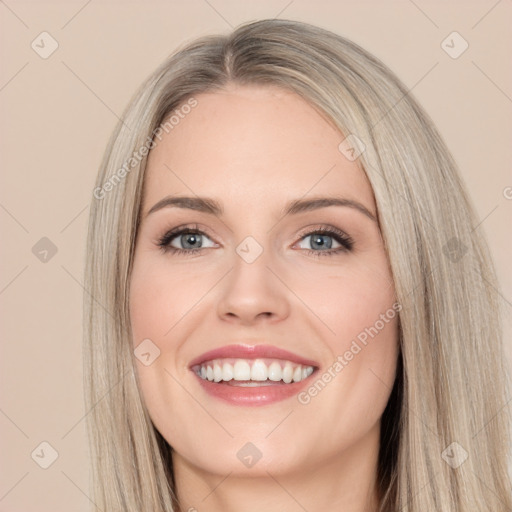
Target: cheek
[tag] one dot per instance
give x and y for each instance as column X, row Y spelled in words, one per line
column 158, row 300
column 348, row 300
column 160, row 297
column 351, row 392
column 358, row 305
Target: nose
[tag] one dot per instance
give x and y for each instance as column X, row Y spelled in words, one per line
column 252, row 293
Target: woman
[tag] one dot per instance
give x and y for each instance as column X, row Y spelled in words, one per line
column 288, row 306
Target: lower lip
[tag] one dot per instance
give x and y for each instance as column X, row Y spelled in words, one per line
column 256, row 395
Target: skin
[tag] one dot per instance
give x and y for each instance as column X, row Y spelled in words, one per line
column 253, row 149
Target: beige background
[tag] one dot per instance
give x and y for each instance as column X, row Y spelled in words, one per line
column 56, row 116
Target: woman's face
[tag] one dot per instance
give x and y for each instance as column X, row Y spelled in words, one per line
column 276, row 284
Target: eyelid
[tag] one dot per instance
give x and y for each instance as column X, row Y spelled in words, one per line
column 344, row 239
column 171, row 233
column 315, row 228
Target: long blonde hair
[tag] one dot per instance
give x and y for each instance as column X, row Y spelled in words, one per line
column 445, row 432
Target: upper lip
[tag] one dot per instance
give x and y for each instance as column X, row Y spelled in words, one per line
column 243, row 351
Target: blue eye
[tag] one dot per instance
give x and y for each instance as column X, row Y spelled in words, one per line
column 321, row 242
column 191, row 241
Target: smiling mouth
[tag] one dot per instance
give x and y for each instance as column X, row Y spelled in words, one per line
column 252, row 372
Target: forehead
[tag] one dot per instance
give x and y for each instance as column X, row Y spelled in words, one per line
column 251, row 145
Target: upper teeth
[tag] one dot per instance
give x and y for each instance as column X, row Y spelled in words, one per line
column 253, row 369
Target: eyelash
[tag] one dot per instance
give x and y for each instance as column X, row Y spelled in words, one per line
column 345, row 240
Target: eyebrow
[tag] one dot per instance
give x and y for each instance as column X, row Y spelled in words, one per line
column 210, row 206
